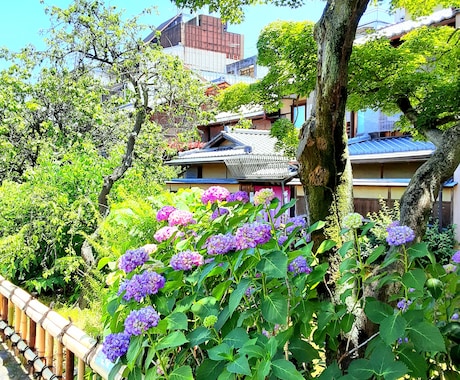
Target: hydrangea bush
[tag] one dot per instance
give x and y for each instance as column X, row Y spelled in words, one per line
column 236, row 294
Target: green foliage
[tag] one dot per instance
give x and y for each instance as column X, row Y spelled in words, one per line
column 441, row 243
column 245, row 314
column 287, row 137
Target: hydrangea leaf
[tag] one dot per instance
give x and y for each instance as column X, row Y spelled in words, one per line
column 274, row 265
column 237, row 295
column 377, row 311
column 427, row 337
column 285, row 370
column 275, row 308
column 175, row 339
column 240, row 366
column 392, row 328
column 182, row 373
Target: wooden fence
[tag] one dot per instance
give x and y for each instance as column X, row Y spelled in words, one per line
column 50, row 346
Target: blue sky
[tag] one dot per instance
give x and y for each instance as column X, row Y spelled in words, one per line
column 21, row 21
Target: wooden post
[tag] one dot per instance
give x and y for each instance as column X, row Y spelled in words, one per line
column 4, row 315
column 23, row 325
column 49, row 348
column 40, row 342
column 59, row 359
column 17, row 319
column 69, row 364
column 81, row 370
column 32, row 334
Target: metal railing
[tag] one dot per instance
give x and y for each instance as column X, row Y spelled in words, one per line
column 50, row 346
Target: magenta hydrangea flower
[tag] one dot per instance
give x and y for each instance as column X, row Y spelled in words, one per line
column 164, row 212
column 219, row 212
column 180, row 218
column 115, row 346
column 264, row 197
column 214, row 194
column 139, row 321
column 186, row 260
column 399, row 235
column 294, row 222
column 141, row 285
column 456, row 257
column 251, row 235
column 299, row 265
column 164, row 233
column 239, row 196
column 132, row 259
column 220, row 244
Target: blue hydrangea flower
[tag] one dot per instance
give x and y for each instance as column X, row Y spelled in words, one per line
column 220, row 244
column 132, row 259
column 299, row 265
column 139, row 321
column 141, row 285
column 399, row 235
column 456, row 257
column 239, row 196
column 251, row 235
column 403, row 304
column 115, row 346
column 219, row 212
column 186, row 260
column 294, row 222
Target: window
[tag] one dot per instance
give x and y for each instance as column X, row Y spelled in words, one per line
column 300, row 111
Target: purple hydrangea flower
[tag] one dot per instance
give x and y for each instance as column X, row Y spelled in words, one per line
column 403, row 340
column 219, row 212
column 455, row 317
column 186, row 260
column 214, row 194
column 220, row 244
column 456, row 257
column 164, row 212
column 249, row 291
column 115, row 345
column 450, row 268
column 239, row 196
column 403, row 304
column 399, row 235
column 251, row 235
column 299, row 265
column 164, row 233
column 294, row 222
column 353, row 220
column 132, row 259
column 180, row 218
column 139, row 321
column 282, row 239
column 264, row 197
column 141, row 285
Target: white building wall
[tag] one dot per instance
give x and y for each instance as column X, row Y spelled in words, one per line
column 199, row 59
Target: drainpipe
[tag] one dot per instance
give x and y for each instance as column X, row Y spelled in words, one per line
column 440, row 208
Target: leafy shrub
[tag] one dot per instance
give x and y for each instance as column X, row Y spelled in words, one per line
column 235, row 294
column 441, row 243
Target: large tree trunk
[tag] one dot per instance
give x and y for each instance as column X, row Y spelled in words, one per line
column 423, row 190
column 325, row 171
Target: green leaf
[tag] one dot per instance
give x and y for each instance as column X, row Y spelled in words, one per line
column 332, row 372
column 377, row 311
column 317, row 275
column 427, row 337
column 376, row 253
column 275, row 308
column 316, row 226
column 198, row 336
column 346, row 247
column 236, row 338
column 237, row 295
column 415, row 278
column 182, row 373
column 134, row 350
column 175, row 339
column 205, row 307
column 325, row 246
column 303, row 351
column 177, row 321
column 262, row 369
column 384, row 364
column 240, row 366
column 220, row 352
column 392, row 328
column 415, row 362
column 209, row 370
column 220, row 289
column 252, row 351
column 361, row 369
column 420, row 250
column 285, row 370
column 274, row 265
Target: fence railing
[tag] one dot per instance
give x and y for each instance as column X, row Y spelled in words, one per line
column 50, row 346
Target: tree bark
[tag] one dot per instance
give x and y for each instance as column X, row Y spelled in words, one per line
column 325, row 170
column 423, row 190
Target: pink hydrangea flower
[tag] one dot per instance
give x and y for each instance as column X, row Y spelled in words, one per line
column 214, row 194
column 164, row 233
column 180, row 218
column 264, row 197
